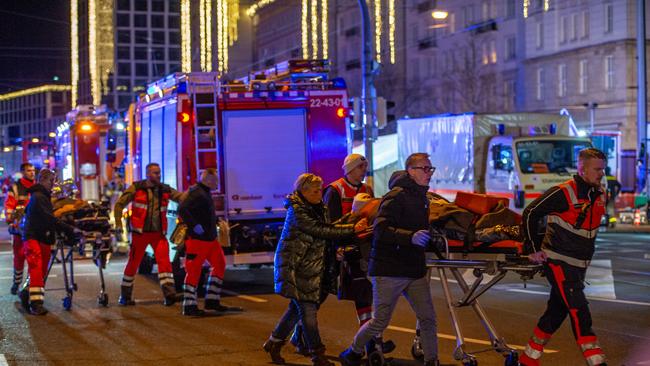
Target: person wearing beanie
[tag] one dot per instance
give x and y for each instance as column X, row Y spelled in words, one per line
column 338, row 195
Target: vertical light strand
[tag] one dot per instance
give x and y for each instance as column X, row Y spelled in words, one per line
column 391, row 30
column 324, row 28
column 202, row 26
column 304, row 25
column 547, row 5
column 208, row 35
column 220, row 50
column 186, row 37
column 92, row 52
column 224, row 37
column 314, row 29
column 233, row 18
column 74, row 51
column 378, row 29
column 526, row 6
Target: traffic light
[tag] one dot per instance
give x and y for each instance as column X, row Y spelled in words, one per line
column 354, row 111
column 383, row 106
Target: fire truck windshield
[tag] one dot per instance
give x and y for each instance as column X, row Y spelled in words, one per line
column 549, row 156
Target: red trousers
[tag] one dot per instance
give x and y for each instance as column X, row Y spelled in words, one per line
column 19, row 253
column 38, row 258
column 197, row 252
column 138, row 246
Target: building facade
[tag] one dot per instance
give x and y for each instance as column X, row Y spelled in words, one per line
column 118, row 46
column 30, row 116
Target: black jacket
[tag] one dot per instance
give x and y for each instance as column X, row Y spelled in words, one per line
column 198, row 208
column 39, row 222
column 554, row 237
column 300, row 258
column 403, row 211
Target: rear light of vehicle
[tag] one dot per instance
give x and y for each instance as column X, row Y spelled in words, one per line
column 341, row 112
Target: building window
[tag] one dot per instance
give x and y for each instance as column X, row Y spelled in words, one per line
column 493, row 51
column 539, row 39
column 174, row 6
column 582, row 77
column 174, row 54
column 564, row 24
column 123, row 69
column 452, row 22
column 574, row 27
column 158, row 37
column 141, row 5
column 584, row 31
column 141, row 69
column 174, row 38
column 511, row 48
column 158, row 5
column 511, row 8
column 123, row 20
column 123, row 36
column 174, row 22
column 123, row 53
column 609, row 18
column 561, row 80
column 140, row 21
column 140, row 53
column 485, row 59
column 141, row 37
column 124, row 5
column 157, row 21
column 609, row 72
column 540, row 84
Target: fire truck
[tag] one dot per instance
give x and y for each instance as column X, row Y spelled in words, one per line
column 259, row 132
column 89, row 148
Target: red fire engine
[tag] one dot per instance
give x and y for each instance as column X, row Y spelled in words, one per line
column 87, row 146
column 259, row 132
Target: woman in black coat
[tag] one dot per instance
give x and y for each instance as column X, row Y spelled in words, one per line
column 300, row 263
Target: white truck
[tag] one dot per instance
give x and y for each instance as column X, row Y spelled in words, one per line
column 518, row 155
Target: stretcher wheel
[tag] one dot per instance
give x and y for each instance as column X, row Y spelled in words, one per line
column 512, row 359
column 102, row 299
column 470, row 362
column 416, row 350
column 376, row 359
column 67, row 303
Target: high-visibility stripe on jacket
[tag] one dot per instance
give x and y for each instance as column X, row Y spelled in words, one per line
column 347, row 192
column 580, row 221
column 140, row 206
column 17, row 197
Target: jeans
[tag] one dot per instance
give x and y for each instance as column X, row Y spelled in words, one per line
column 386, row 292
column 306, row 313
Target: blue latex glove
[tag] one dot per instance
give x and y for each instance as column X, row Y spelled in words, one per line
column 198, row 229
column 421, row 238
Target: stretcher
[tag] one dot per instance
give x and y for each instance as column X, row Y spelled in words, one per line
column 493, row 259
column 96, row 239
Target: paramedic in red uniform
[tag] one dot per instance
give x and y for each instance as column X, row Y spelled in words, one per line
column 17, row 198
column 573, row 211
column 197, row 212
column 149, row 199
column 40, row 227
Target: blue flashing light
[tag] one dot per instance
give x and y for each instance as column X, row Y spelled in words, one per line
column 552, row 128
column 339, row 83
column 501, row 128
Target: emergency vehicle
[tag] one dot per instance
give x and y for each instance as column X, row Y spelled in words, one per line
column 89, row 148
column 260, row 133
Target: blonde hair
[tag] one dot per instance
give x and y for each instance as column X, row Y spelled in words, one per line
column 307, row 180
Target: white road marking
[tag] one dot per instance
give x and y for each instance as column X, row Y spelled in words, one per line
column 244, row 297
column 600, row 280
column 467, row 340
column 3, row 360
column 618, row 301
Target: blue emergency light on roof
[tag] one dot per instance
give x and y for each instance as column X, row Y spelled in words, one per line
column 339, row 83
column 552, row 128
column 501, row 129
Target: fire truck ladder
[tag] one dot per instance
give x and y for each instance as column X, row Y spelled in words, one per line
column 204, row 100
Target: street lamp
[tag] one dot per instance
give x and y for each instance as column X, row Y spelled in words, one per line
column 439, row 14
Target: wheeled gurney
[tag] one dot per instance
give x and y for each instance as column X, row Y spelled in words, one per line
column 493, row 259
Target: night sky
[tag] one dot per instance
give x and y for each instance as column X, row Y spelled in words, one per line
column 34, row 43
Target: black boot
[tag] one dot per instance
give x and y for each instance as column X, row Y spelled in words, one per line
column 18, row 278
column 126, row 296
column 168, row 289
column 273, row 349
column 318, row 357
column 193, row 311
column 24, row 298
column 190, row 307
column 350, row 358
column 36, row 308
column 14, row 288
column 386, row 347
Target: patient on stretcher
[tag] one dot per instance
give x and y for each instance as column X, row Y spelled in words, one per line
column 475, row 223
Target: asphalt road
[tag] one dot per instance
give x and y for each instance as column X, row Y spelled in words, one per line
column 151, row 334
